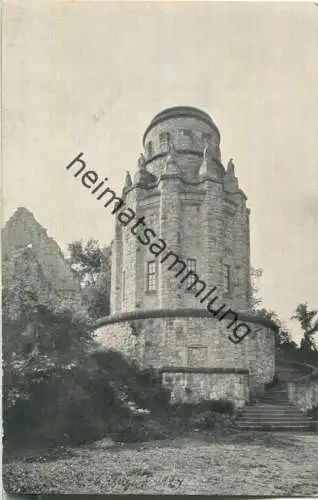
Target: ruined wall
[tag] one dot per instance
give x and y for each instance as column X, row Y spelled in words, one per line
column 33, row 261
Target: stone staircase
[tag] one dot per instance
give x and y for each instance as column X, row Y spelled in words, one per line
column 273, row 412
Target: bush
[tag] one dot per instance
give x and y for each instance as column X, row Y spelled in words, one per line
column 140, row 429
column 313, row 413
column 72, row 407
column 147, row 391
column 184, row 417
column 219, row 406
column 216, row 406
column 82, row 403
column 60, row 392
column 140, row 386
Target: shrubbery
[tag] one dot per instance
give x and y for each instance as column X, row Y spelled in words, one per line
column 313, row 413
column 59, row 390
column 203, row 415
column 177, row 419
column 81, row 404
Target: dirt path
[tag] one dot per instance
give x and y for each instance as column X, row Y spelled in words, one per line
column 282, row 464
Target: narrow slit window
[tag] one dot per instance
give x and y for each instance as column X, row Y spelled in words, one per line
column 124, row 285
column 149, row 149
column 227, row 278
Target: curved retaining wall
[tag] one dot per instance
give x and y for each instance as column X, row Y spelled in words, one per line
column 176, row 341
column 303, row 391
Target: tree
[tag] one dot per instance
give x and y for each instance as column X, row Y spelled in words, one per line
column 309, row 324
column 282, row 336
column 92, row 266
column 86, row 260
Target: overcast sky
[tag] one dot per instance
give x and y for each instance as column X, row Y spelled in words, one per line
column 89, row 77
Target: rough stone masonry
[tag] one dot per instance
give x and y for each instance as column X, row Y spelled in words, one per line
column 196, row 206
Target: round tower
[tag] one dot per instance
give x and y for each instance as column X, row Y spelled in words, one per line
column 181, row 267
column 189, row 129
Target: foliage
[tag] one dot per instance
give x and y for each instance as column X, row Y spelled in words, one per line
column 24, row 284
column 86, row 260
column 97, row 299
column 309, row 323
column 174, row 420
column 313, row 413
column 91, row 264
column 283, row 336
column 42, row 351
column 58, row 390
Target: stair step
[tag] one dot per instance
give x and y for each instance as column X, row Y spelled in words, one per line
column 278, row 389
column 273, row 422
column 270, row 424
column 296, row 428
column 276, row 409
column 275, row 394
column 271, row 403
column 274, row 418
column 272, row 414
column 278, row 402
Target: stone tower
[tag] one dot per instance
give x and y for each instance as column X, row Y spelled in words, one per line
column 190, row 203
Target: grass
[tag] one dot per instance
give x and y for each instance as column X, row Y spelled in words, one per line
column 239, row 463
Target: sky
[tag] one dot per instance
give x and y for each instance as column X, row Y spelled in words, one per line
column 89, row 77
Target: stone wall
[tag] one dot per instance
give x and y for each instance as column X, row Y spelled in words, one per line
column 23, row 231
column 304, row 392
column 173, row 339
column 198, row 224
column 187, row 134
column 192, row 387
column 33, row 263
column 200, row 213
column 196, row 208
